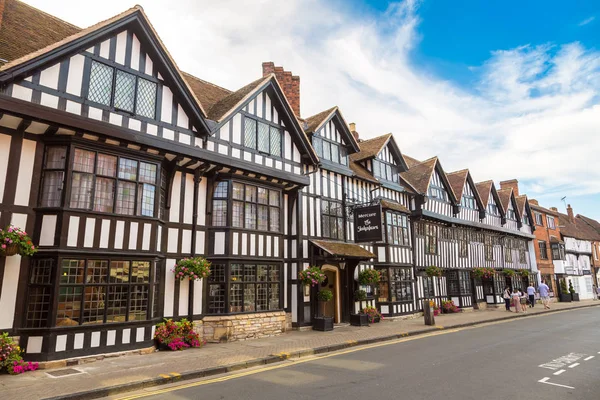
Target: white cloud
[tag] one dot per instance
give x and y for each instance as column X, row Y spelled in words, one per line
column 586, row 21
column 533, row 116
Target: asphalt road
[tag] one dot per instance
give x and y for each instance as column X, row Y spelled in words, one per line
column 521, row 359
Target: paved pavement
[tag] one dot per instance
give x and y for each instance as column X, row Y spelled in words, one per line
column 536, row 358
column 113, row 375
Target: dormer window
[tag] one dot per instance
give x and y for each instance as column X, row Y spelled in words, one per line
column 436, row 188
column 385, row 170
column 525, row 219
column 468, row 201
column 510, row 214
column 122, row 90
column 493, row 209
column 329, row 150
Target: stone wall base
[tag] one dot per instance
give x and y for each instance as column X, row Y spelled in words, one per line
column 230, row 328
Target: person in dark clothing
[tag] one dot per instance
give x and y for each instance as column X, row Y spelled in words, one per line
column 506, row 297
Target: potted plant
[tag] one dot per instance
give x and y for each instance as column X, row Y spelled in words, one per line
column 565, row 296
column 14, row 241
column 369, row 277
column 574, row 296
column 172, row 335
column 524, row 272
column 192, row 269
column 449, row 307
column 432, row 271
column 372, row 313
column 359, row 319
column 509, row 272
column 11, row 359
column 483, row 273
column 311, row 277
column 323, row 323
column 435, row 308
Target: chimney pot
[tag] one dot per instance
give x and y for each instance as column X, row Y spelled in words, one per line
column 352, row 126
column 534, row 202
column 570, row 213
column 554, row 209
column 290, row 84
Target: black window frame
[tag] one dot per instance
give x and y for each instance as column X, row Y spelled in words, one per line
column 397, row 231
column 329, row 219
column 543, row 247
column 221, row 282
column 272, row 127
column 558, row 251
column 431, row 233
column 385, row 170
column 318, row 142
column 138, row 77
column 489, row 247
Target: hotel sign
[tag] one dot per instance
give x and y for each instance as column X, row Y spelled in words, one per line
column 368, row 224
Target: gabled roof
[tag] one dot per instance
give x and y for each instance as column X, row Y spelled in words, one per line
column 506, row 196
column 371, row 148
column 228, row 105
column 537, row 207
column 419, row 177
column 315, row 123
column 35, row 27
column 411, row 162
column 361, row 172
column 522, row 204
column 457, row 181
column 577, row 228
column 484, row 189
column 49, row 51
column 592, row 223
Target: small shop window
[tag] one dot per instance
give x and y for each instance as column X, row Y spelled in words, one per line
column 39, row 293
column 401, row 284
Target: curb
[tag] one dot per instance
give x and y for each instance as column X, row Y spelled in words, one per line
column 280, row 357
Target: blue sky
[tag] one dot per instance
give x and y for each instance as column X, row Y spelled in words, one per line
column 509, row 89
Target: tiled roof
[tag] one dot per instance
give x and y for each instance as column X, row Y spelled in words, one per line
column 521, row 201
column 314, row 122
column 362, row 172
column 25, row 29
column 419, row 175
column 485, row 191
column 229, row 102
column 542, row 209
column 410, row 161
column 592, row 223
column 207, row 93
column 392, row 205
column 343, row 249
column 457, row 181
column 504, row 196
column 577, row 228
column 370, row 148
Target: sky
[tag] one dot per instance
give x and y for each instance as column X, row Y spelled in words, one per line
column 509, row 89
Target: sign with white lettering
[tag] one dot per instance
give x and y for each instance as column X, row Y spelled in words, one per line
column 367, row 224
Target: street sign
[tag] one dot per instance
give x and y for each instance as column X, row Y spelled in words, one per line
column 367, row 224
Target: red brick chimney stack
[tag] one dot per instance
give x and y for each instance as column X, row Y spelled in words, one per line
column 290, row 84
column 512, row 183
column 352, row 128
column 534, row 202
column 570, row 213
column 554, row 209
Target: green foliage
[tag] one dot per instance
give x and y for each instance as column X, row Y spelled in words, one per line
column 360, row 295
column 311, row 276
column 14, row 240
column 432, row 270
column 325, row 295
column 369, row 277
column 509, row 272
column 193, row 269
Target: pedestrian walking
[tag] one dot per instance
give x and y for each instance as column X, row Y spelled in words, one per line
column 531, row 294
column 506, row 297
column 544, row 294
column 516, row 299
column 598, row 290
column 523, row 299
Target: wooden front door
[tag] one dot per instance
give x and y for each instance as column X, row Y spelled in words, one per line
column 331, row 284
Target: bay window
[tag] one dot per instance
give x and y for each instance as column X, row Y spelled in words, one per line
column 99, row 182
column 397, row 228
column 239, row 287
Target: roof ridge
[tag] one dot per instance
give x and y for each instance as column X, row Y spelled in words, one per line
column 456, row 172
column 204, row 81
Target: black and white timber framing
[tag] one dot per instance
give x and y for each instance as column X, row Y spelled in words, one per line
column 75, row 298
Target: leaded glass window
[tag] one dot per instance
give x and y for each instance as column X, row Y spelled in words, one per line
column 124, row 91
column 101, row 82
column 261, row 136
column 53, row 176
column 146, row 98
column 332, row 219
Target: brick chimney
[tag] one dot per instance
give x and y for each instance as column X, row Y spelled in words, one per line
column 512, row 183
column 534, row 202
column 290, row 84
column 352, row 128
column 554, row 209
column 570, row 213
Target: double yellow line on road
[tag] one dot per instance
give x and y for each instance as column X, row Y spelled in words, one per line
column 278, row 366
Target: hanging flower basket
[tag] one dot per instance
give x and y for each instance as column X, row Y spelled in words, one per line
column 509, row 272
column 311, row 276
column 524, row 272
column 483, row 273
column 432, row 270
column 14, row 241
column 192, row 269
column 373, row 313
column 369, row 277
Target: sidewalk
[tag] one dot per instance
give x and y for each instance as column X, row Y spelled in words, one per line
column 114, row 375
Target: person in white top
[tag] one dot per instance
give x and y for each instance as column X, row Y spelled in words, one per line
column 544, row 294
column 516, row 299
column 531, row 294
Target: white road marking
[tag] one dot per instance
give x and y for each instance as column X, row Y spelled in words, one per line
column 588, row 358
column 545, row 380
column 573, row 365
column 559, row 372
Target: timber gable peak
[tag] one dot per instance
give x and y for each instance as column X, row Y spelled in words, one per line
column 318, row 121
column 129, row 31
column 508, row 201
column 372, row 148
column 421, row 175
column 227, row 108
column 459, row 181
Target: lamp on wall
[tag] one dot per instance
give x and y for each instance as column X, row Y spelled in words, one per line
column 342, row 265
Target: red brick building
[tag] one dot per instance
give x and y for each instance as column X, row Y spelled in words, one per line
column 548, row 244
